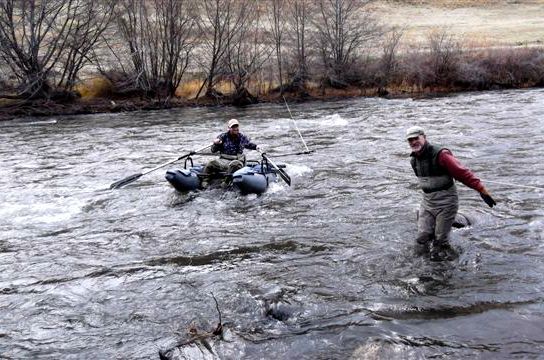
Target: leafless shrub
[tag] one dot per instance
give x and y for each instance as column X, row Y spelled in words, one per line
column 473, row 75
column 388, row 65
column 473, row 70
column 501, row 68
column 299, row 19
column 92, row 20
column 219, row 22
column 158, row 37
column 122, row 82
column 251, row 45
column 343, row 27
column 42, row 39
column 275, row 11
column 514, row 67
column 444, row 53
column 247, row 50
column 434, row 67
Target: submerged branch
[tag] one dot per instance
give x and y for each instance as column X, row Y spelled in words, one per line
column 197, row 336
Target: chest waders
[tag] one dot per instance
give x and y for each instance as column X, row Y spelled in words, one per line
column 440, row 201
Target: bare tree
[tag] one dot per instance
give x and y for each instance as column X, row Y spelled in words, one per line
column 220, row 21
column 444, row 54
column 159, row 36
column 92, row 20
column 246, row 52
column 33, row 37
column 389, row 63
column 298, row 28
column 277, row 26
column 343, row 27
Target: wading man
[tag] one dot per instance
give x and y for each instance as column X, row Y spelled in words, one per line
column 436, row 168
column 230, row 145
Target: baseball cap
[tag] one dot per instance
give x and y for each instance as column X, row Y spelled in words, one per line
column 232, row 122
column 414, row 131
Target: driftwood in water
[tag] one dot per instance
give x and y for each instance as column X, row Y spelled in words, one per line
column 197, row 336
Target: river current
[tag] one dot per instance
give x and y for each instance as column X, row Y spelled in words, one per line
column 323, row 269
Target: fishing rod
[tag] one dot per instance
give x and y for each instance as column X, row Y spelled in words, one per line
column 300, row 152
column 296, row 127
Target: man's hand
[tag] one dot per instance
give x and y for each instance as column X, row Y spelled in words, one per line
column 260, row 148
column 217, row 141
column 487, row 198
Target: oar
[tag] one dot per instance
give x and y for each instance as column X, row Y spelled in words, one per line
column 282, row 173
column 129, row 179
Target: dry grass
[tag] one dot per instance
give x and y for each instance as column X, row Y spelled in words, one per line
column 8, row 102
column 489, row 22
column 96, row 87
column 454, row 3
column 189, row 89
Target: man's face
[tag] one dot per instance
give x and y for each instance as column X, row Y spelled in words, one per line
column 234, row 130
column 416, row 143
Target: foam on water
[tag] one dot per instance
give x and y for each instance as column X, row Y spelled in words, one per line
column 55, row 210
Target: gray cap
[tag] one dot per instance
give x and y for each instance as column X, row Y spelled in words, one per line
column 414, row 131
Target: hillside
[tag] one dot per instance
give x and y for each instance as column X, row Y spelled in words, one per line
column 480, row 23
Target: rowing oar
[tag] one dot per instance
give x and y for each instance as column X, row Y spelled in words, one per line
column 282, row 173
column 129, row 179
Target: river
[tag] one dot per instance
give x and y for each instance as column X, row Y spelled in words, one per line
column 323, row 269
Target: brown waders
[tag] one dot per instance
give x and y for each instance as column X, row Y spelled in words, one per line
column 222, row 165
column 435, row 218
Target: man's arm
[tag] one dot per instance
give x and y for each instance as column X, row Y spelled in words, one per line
column 247, row 143
column 464, row 175
column 217, row 143
column 458, row 171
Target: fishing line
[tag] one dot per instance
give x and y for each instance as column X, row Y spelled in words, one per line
column 483, row 180
column 516, row 185
column 296, row 127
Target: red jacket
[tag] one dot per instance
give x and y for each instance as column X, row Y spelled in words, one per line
column 458, row 171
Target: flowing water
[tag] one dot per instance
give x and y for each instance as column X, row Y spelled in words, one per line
column 323, row 269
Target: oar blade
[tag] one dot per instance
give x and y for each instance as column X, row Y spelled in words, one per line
column 120, row 183
column 284, row 176
column 281, row 172
column 134, row 177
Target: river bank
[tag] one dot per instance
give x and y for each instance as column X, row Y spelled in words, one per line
column 38, row 108
column 501, row 44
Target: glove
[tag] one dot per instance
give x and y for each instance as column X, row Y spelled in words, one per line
column 487, row 198
column 259, row 148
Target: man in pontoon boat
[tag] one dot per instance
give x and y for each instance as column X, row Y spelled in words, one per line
column 436, row 168
column 230, row 145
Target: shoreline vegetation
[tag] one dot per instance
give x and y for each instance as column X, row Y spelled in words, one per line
column 65, row 57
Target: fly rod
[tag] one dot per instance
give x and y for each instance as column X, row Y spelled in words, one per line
column 296, row 127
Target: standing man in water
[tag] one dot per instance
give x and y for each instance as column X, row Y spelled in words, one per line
column 436, row 168
column 230, row 145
